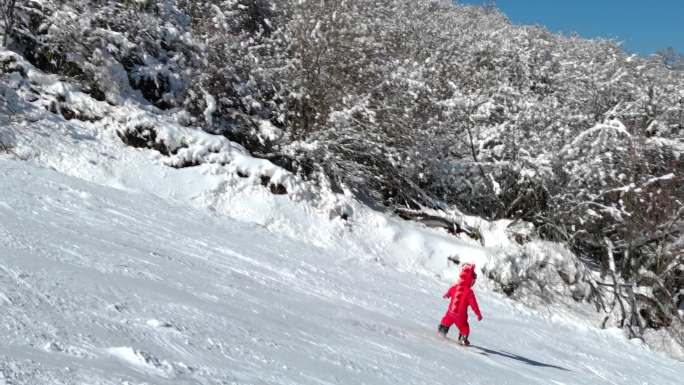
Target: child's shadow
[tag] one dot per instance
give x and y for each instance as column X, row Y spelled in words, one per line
column 528, row 361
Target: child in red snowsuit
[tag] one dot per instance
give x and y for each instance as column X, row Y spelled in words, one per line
column 461, row 296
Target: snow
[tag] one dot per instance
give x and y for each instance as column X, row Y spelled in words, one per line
column 495, row 185
column 125, row 287
column 142, row 361
column 267, row 131
column 669, row 176
column 211, row 108
column 612, row 126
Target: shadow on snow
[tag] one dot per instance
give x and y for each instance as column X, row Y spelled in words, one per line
column 486, row 352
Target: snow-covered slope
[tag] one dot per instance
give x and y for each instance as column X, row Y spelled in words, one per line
column 224, row 178
column 104, row 286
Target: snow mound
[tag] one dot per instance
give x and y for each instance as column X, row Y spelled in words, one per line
column 142, row 360
column 539, row 271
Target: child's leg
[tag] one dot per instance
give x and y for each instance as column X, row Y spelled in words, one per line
column 463, row 327
column 448, row 320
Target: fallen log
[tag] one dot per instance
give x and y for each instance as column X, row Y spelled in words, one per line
column 439, row 219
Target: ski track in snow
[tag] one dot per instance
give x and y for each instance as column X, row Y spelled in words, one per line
column 102, row 286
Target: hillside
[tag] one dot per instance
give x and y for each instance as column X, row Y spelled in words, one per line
column 554, row 163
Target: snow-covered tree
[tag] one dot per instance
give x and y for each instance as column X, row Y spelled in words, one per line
column 7, row 9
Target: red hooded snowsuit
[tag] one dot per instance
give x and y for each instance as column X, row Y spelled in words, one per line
column 462, row 296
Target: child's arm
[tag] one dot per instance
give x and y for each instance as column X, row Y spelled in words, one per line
column 450, row 292
column 472, row 301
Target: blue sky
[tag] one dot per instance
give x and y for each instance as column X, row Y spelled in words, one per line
column 643, row 26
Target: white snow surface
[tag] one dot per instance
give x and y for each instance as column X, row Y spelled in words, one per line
column 103, row 286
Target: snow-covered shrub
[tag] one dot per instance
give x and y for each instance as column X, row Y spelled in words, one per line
column 7, row 9
column 10, row 109
column 24, row 88
column 143, row 136
column 7, row 139
column 190, row 146
column 183, row 146
column 243, row 78
column 540, row 271
column 617, row 203
column 99, row 44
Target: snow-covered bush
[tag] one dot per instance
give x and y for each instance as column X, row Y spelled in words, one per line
column 479, row 130
column 7, row 139
column 540, row 271
column 101, row 44
column 7, row 9
column 619, row 205
column 241, row 80
column 182, row 147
